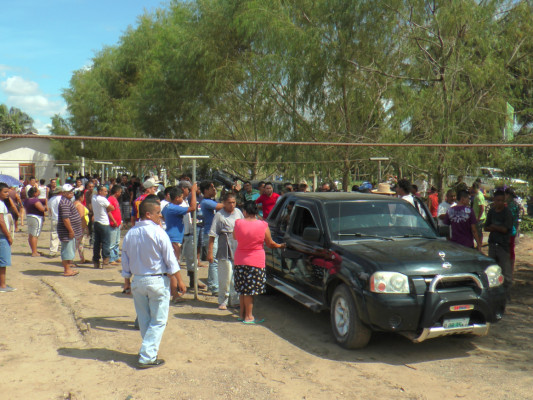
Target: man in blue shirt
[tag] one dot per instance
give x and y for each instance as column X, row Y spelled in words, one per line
column 173, row 214
column 147, row 254
column 209, row 208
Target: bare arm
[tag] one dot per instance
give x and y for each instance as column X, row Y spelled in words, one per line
column 192, row 206
column 476, row 236
column 13, row 206
column 39, row 206
column 210, row 257
column 496, row 228
column 81, row 211
column 270, row 243
column 66, row 221
column 4, row 230
column 111, row 218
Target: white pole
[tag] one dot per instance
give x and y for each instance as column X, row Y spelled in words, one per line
column 194, row 238
column 82, row 161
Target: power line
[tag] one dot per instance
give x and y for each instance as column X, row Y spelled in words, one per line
column 262, row 142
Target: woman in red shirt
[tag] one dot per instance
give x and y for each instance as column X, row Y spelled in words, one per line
column 249, row 271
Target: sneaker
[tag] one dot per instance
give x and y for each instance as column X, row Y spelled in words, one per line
column 7, row 289
column 156, row 363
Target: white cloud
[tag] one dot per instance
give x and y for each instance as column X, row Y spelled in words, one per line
column 42, row 127
column 18, row 86
column 27, row 96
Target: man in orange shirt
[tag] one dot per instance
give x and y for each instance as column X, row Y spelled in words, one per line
column 433, row 202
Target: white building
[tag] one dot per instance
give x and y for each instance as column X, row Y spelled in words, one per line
column 27, row 157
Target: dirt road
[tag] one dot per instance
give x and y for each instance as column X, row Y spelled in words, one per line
column 74, row 338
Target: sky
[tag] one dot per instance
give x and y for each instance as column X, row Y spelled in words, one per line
column 43, row 42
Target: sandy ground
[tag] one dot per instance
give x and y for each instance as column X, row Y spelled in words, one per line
column 73, row 338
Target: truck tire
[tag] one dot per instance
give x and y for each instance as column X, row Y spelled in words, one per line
column 347, row 327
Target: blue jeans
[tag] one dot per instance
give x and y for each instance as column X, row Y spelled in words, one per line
column 114, row 250
column 5, row 252
column 212, row 273
column 151, row 296
column 102, row 235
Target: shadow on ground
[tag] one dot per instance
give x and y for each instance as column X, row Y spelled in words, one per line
column 103, row 282
column 100, row 354
column 109, row 324
column 210, row 317
column 42, row 272
column 312, row 333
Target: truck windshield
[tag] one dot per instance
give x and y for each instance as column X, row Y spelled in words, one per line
column 359, row 220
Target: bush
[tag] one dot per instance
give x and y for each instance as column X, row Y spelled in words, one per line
column 526, row 225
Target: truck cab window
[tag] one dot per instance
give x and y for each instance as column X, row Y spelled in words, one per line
column 302, row 220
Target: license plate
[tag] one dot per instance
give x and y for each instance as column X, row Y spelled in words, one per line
column 455, row 323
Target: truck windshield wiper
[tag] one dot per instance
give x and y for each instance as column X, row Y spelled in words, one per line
column 363, row 235
column 415, row 235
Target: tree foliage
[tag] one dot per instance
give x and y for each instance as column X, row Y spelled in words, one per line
column 328, row 70
column 14, row 121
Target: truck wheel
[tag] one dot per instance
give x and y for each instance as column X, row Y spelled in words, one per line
column 348, row 329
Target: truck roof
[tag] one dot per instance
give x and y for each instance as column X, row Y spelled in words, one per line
column 324, row 196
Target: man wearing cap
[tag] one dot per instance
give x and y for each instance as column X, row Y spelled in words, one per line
column 53, row 208
column 150, row 187
column 365, row 187
column 69, row 227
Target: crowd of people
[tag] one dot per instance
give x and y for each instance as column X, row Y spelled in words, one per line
column 86, row 211
column 231, row 232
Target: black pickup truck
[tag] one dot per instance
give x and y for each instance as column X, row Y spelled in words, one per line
column 378, row 265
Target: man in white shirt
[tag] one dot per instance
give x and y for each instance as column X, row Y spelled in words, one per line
column 449, row 202
column 102, row 232
column 53, row 205
column 403, row 189
column 147, row 254
column 32, row 183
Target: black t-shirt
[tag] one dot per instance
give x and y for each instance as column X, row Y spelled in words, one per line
column 125, row 197
column 501, row 218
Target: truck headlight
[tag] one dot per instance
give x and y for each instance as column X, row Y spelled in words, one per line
column 494, row 275
column 389, row 282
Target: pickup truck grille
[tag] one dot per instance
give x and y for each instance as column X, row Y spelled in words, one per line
column 453, row 281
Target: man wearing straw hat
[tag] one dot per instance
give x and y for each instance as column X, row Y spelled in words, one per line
column 384, row 188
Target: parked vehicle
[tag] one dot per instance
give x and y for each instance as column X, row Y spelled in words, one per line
column 377, row 265
column 492, row 178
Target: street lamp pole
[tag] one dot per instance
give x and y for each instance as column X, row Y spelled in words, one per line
column 62, row 172
column 103, row 163
column 379, row 160
column 194, row 237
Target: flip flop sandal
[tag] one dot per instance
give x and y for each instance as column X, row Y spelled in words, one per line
column 73, row 274
column 254, row 322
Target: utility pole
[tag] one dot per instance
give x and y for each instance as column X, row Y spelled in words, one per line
column 194, row 237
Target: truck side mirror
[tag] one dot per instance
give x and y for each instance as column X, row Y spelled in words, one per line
column 312, row 234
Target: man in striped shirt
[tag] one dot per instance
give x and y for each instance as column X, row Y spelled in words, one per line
column 69, row 227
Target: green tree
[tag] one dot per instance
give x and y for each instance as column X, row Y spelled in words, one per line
column 15, row 121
